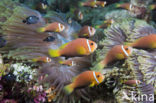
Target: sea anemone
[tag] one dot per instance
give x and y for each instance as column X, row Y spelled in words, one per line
column 139, row 66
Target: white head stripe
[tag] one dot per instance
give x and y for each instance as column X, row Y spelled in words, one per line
column 88, row 46
column 124, row 51
column 79, row 13
column 137, row 82
column 130, row 7
column 95, row 77
column 89, row 31
column 72, row 63
column 49, row 60
column 44, row 6
column 59, row 26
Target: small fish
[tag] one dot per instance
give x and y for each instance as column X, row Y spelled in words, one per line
column 89, row 3
column 53, row 27
column 87, row 31
column 49, row 39
column 2, row 42
column 146, row 42
column 105, row 24
column 152, row 7
column 101, row 3
column 42, row 5
column 77, row 47
column 67, row 62
column 78, row 14
column 118, row 52
column 131, row 82
column 42, row 59
column 126, row 6
column 87, row 78
column 31, row 20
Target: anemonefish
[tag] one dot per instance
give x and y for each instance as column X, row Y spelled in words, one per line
column 101, row 3
column 118, row 52
column 152, row 7
column 105, row 24
column 125, row 6
column 67, row 62
column 42, row 59
column 53, row 27
column 87, row 78
column 77, row 47
column 146, row 42
column 78, row 13
column 31, row 20
column 89, row 3
column 87, row 31
column 131, row 82
column 42, row 5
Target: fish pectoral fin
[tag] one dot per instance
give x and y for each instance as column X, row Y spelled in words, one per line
column 85, row 34
column 57, row 30
column 64, row 45
column 81, row 50
column 92, row 84
column 153, row 45
column 120, row 56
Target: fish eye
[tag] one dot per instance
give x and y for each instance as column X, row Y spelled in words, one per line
column 91, row 43
column 61, row 26
column 98, row 76
column 126, row 49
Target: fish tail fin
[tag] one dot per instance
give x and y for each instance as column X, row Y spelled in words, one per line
column 34, row 60
column 54, row 53
column 98, row 67
column 60, row 61
column 72, row 10
column 128, row 44
column 42, row 29
column 117, row 5
column 80, row 3
column 68, row 89
column 97, row 26
column 151, row 7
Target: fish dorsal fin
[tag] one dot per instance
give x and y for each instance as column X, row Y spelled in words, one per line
column 63, row 46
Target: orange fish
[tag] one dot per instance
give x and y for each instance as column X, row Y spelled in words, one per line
column 126, row 6
column 101, row 3
column 42, row 59
column 67, row 62
column 146, row 42
column 87, row 31
column 77, row 47
column 78, row 14
column 105, row 24
column 89, row 3
column 42, row 5
column 152, row 7
column 87, row 78
column 118, row 52
column 53, row 27
column 131, row 82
